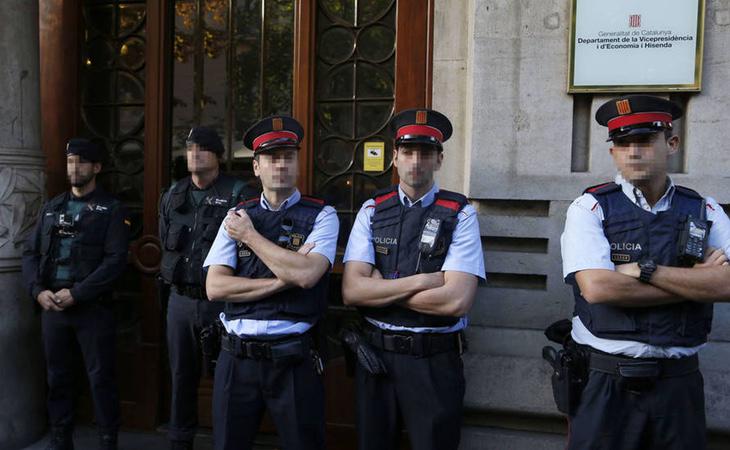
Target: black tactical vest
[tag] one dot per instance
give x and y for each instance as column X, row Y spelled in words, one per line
column 397, row 232
column 192, row 229
column 87, row 237
column 288, row 228
column 634, row 234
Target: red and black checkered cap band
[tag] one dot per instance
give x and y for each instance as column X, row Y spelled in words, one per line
column 420, row 130
column 635, row 119
column 271, row 135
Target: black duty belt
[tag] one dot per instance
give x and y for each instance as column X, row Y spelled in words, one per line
column 284, row 348
column 417, row 344
column 643, row 367
column 190, row 290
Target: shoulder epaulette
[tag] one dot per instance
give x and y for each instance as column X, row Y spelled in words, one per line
column 384, row 194
column 314, row 202
column 450, row 200
column 688, row 192
column 603, row 188
column 249, row 202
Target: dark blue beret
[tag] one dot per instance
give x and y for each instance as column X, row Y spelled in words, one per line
column 86, row 149
column 207, row 138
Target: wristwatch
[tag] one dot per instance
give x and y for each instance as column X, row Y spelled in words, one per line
column 647, row 267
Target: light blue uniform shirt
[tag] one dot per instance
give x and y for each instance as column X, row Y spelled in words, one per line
column 223, row 252
column 464, row 254
column 584, row 246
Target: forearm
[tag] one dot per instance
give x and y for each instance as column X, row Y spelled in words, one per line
column 453, row 299
column 231, row 288
column 358, row 290
column 608, row 287
column 701, row 284
column 289, row 266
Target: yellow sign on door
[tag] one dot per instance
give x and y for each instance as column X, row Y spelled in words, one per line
column 374, row 159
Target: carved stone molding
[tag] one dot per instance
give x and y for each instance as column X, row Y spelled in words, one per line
column 22, row 182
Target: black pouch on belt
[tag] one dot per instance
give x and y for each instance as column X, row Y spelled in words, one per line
column 638, row 376
column 570, row 367
column 357, row 348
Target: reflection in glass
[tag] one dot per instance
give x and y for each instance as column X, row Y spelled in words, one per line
column 336, row 45
column 376, row 42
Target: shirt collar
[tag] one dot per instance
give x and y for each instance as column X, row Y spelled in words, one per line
column 289, row 202
column 426, row 200
column 637, row 197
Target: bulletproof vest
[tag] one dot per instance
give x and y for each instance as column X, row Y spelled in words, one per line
column 289, row 229
column 86, row 234
column 193, row 228
column 398, row 234
column 634, row 234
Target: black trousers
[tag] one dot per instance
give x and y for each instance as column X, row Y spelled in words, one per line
column 671, row 415
column 293, row 393
column 91, row 326
column 424, row 393
column 185, row 318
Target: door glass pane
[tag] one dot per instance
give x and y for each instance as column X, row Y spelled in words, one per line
column 233, row 64
column 354, row 100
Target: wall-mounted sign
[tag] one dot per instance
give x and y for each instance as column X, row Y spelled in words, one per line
column 374, row 158
column 636, row 46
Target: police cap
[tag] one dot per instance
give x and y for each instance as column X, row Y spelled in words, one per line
column 272, row 133
column 86, row 149
column 207, row 138
column 421, row 126
column 632, row 115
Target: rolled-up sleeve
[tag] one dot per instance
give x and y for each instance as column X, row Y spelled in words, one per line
column 359, row 244
column 583, row 244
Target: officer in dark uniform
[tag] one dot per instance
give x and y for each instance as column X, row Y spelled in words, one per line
column 412, row 264
column 190, row 213
column 646, row 259
column 76, row 251
column 269, row 264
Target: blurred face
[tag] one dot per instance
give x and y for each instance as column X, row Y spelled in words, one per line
column 200, row 160
column 80, row 171
column 643, row 157
column 416, row 164
column 277, row 169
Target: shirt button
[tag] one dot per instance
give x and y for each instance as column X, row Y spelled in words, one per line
column 187, row 259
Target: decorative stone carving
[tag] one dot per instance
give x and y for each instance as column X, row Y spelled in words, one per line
column 21, row 197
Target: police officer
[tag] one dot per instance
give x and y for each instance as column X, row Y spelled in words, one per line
column 269, row 264
column 76, row 251
column 644, row 287
column 190, row 213
column 412, row 265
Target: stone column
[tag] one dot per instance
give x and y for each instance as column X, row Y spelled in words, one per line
column 22, row 375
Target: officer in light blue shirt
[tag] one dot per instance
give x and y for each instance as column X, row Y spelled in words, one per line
column 412, row 264
column 270, row 264
column 646, row 259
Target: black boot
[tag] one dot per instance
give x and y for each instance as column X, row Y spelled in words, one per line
column 61, row 439
column 181, row 445
column 107, row 441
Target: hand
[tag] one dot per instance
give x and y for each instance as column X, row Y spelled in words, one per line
column 65, row 299
column 714, row 257
column 48, row 300
column 631, row 269
column 306, row 248
column 432, row 280
column 238, row 225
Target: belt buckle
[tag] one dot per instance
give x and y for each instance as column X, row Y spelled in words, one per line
column 403, row 344
column 257, row 350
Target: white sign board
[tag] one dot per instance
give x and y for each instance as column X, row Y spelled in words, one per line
column 636, row 45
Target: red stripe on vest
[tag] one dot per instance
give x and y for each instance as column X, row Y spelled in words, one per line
column 271, row 135
column 450, row 204
column 380, row 199
column 633, row 119
column 420, row 130
column 318, row 201
column 595, row 188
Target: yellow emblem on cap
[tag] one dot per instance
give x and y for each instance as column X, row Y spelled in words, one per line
column 277, row 124
column 421, row 117
column 623, row 106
